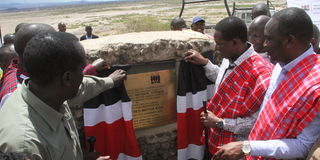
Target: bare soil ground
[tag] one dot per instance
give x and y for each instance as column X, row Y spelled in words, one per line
column 110, row 19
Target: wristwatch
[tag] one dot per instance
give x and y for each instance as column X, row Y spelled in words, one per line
column 219, row 124
column 246, row 148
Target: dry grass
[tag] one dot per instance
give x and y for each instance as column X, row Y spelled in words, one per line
column 117, row 18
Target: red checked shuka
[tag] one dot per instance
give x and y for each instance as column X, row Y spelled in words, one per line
column 239, row 95
column 293, row 105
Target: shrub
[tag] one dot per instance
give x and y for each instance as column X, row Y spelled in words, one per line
column 146, row 23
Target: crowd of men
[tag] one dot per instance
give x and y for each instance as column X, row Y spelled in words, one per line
column 266, row 98
column 266, row 102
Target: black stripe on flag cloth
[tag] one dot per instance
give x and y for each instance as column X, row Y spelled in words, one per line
column 193, row 88
column 192, row 77
column 110, row 96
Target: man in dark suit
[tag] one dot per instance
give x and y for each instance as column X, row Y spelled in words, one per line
column 89, row 34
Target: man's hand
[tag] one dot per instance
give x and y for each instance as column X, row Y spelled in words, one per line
column 209, row 119
column 230, row 151
column 195, row 57
column 100, row 65
column 118, row 76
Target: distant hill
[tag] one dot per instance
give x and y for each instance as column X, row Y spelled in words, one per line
column 12, row 7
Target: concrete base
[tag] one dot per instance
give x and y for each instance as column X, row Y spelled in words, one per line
column 158, row 143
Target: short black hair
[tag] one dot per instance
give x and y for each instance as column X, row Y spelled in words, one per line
column 232, row 28
column 26, row 32
column 88, row 27
column 49, row 55
column 7, row 53
column 295, row 21
column 8, row 39
column 61, row 23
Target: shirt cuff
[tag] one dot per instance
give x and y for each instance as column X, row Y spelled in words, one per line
column 229, row 124
column 109, row 81
column 259, row 148
column 209, row 66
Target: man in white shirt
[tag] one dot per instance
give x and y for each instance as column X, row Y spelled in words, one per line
column 288, row 123
column 241, row 82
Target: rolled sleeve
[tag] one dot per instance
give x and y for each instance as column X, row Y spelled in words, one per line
column 211, row 71
column 90, row 87
column 240, row 125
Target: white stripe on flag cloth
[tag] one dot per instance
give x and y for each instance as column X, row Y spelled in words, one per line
column 192, row 151
column 108, row 114
column 126, row 157
column 194, row 101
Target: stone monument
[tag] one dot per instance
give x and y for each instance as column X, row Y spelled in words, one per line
column 151, row 83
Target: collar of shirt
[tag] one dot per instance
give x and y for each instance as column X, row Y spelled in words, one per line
column 291, row 64
column 249, row 52
column 88, row 37
column 51, row 116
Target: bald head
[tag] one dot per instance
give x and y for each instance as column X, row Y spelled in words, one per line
column 259, row 22
column 256, row 33
column 26, row 32
column 260, row 9
column 8, row 39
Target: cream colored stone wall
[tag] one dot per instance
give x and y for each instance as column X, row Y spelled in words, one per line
column 136, row 48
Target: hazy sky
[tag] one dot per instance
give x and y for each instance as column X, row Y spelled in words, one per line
column 37, row 1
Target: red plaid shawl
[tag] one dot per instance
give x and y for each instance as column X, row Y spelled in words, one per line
column 240, row 95
column 293, row 105
column 12, row 77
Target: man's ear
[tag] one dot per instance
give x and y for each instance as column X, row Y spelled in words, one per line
column 313, row 41
column 290, row 41
column 236, row 41
column 66, row 78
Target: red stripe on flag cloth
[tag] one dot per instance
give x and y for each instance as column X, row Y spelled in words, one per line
column 189, row 134
column 115, row 139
